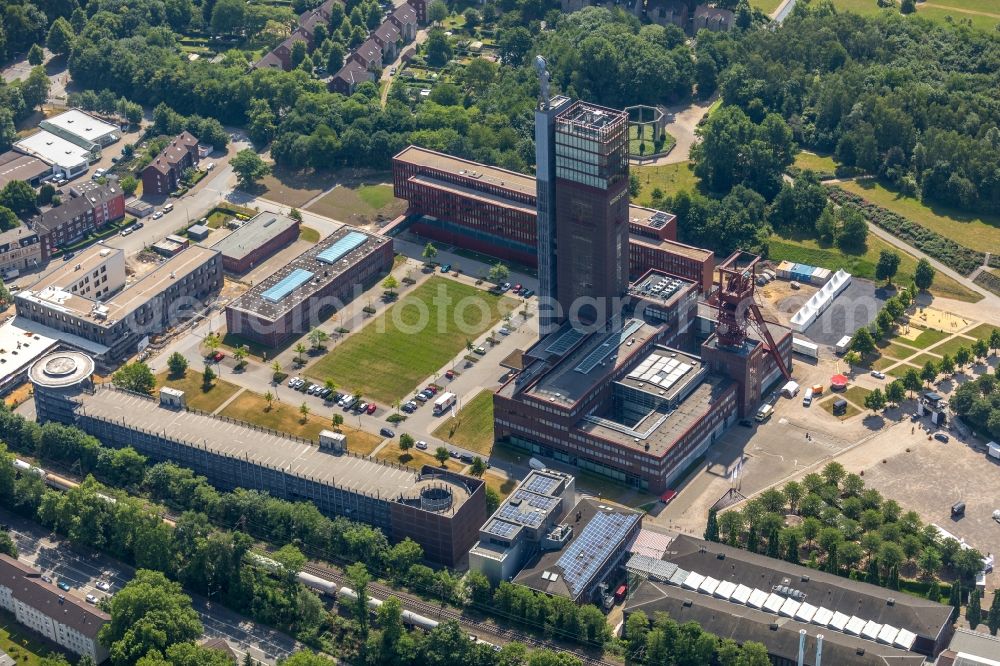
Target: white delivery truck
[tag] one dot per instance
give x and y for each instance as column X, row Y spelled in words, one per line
column 843, row 345
column 807, row 398
column 444, row 403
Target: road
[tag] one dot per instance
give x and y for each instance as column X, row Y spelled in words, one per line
column 783, row 10
column 83, row 568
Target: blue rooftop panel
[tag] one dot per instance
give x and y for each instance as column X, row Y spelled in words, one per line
column 349, row 242
column 287, row 285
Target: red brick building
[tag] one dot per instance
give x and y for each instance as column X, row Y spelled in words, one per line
column 163, row 174
column 494, row 211
column 90, row 207
column 256, row 240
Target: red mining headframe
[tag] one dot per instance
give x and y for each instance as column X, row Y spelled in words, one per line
column 737, row 308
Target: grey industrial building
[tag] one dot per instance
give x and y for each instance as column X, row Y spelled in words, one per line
column 748, row 597
column 256, row 240
column 438, row 509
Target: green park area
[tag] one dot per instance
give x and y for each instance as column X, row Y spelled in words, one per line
column 412, row 340
column 359, row 204
column 294, row 188
column 982, row 14
column 812, row 252
column 978, row 232
column 766, row 6
column 472, row 427
column 286, row 417
column 194, row 390
column 308, row 234
column 668, row 178
column 640, row 141
column 818, row 163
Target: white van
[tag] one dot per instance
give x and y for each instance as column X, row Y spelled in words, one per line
column 764, row 413
column 807, row 398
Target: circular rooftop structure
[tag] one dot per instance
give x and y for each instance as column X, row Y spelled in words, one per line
column 61, row 369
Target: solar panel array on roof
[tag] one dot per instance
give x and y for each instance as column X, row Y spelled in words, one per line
column 541, row 484
column 652, row 568
column 287, row 285
column 661, row 286
column 602, row 536
column 564, row 341
column 534, row 500
column 610, row 344
column 501, row 528
column 349, row 242
column 521, row 514
column 658, row 219
column 662, row 371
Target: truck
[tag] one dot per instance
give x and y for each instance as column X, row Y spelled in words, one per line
column 804, row 347
column 764, row 413
column 843, row 345
column 807, row 398
column 444, row 403
column 993, row 450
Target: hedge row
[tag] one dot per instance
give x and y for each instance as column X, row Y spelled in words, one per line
column 995, row 261
column 988, row 281
column 945, row 250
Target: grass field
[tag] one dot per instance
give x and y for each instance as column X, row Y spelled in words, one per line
column 766, row 6
column 856, row 394
column 979, row 232
column 646, row 143
column 818, row 163
column 988, row 20
column 294, row 188
column 898, row 352
column 828, row 406
column 952, row 346
column 472, row 427
column 982, row 331
column 387, row 358
column 670, row 178
column 285, row 417
column 926, row 338
column 808, row 251
column 414, row 458
column 207, row 401
column 308, row 234
column 359, row 205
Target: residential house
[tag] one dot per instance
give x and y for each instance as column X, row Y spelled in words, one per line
column 163, row 174
column 20, row 248
column 388, row 37
column 712, row 18
column 369, row 55
column 89, row 208
column 281, row 55
column 349, row 77
column 405, row 18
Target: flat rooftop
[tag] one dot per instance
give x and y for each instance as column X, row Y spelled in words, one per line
column 469, row 193
column 649, row 217
column 659, row 287
column 16, row 166
column 82, row 124
column 602, row 353
column 19, row 348
column 588, row 119
column 228, row 438
column 601, row 532
column 309, row 272
column 689, row 251
column 53, row 149
column 254, row 233
column 512, row 180
column 156, row 281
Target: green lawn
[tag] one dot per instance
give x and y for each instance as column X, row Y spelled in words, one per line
column 952, row 346
column 809, row 251
column 472, row 427
column 285, row 417
column 376, row 196
column 359, row 205
column 23, row 645
column 415, row 458
column 412, row 340
column 645, row 146
column 670, row 178
column 898, row 352
column 926, row 338
column 922, row 359
column 901, row 370
column 982, row 331
column 828, row 406
column 818, row 163
column 207, row 401
column 308, row 234
column 856, row 394
column 979, row 232
column 766, row 6
column 502, row 485
column 939, row 12
column 294, row 188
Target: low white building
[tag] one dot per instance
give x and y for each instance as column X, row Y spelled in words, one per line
column 82, row 129
column 66, row 157
column 45, row 609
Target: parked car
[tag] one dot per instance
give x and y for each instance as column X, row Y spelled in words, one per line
column 528, row 293
column 138, row 225
column 407, row 408
column 67, row 256
column 386, row 432
column 422, row 398
column 293, row 381
column 157, row 215
column 127, row 231
column 47, row 578
column 103, row 585
column 878, row 374
column 517, row 288
column 422, row 445
column 169, row 207
column 505, row 286
column 941, row 437
column 504, row 330
column 466, row 458
column 218, row 356
column 445, row 268
column 362, row 406
column 63, row 585
column 432, row 389
column 209, row 166
column 481, row 350
column 450, row 374
column 371, row 408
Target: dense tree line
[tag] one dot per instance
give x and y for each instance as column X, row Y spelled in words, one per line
column 907, row 99
column 846, row 529
column 662, row 641
column 978, row 403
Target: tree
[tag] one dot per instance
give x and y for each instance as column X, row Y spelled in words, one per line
column 19, row 197
column 317, row 337
column 946, row 365
column 929, row 372
column 406, row 442
column 907, row 6
column 888, row 264
column 923, row 276
column 955, row 600
column 129, row 185
column 478, row 467
column 753, row 653
column 853, row 231
column 438, row 48
column 7, row 545
column 36, row 56
column 149, row 613
column 390, row 284
column 228, row 16
column 712, row 526
column 437, row 11
column 240, row 354
column 929, row 562
column 337, row 420
column 35, row 89
column 993, row 617
column 177, row 364
column 441, row 454
column 995, row 340
column 335, row 58
column 212, row 343
column 962, row 357
column 136, row 377
column 276, row 370
column 973, row 612
column 299, row 350
column 269, row 399
column 472, row 19
column 60, row 38
column 862, row 341
column 911, row 380
column 895, row 391
column 8, row 220
column 429, row 252
column 498, row 273
column 304, row 411
column 852, row 358
column 207, row 379
column 248, row 167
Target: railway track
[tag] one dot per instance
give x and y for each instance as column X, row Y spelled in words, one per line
column 438, row 612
